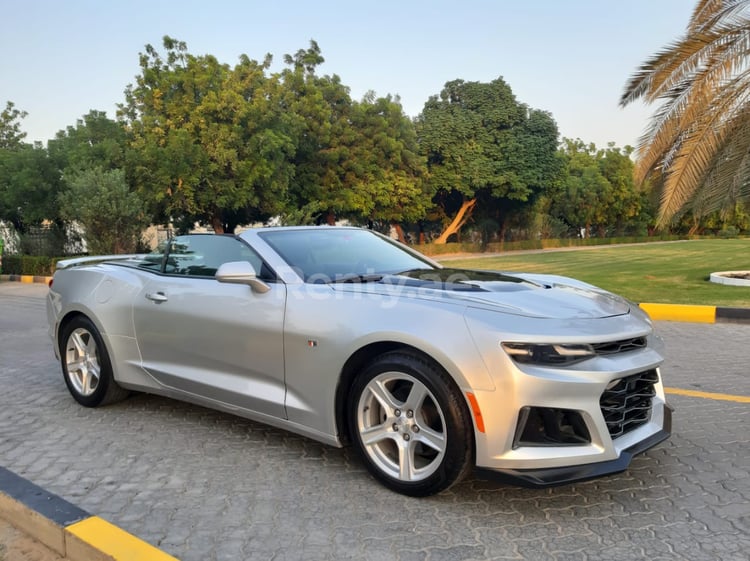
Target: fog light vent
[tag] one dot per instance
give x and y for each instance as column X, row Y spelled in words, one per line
column 546, row 426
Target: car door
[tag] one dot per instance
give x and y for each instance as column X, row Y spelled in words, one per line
column 223, row 342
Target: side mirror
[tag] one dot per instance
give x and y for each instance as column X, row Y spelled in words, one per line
column 241, row 272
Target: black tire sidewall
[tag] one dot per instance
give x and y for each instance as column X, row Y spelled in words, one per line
column 105, row 372
column 458, row 457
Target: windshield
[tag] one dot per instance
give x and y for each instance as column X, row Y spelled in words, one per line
column 333, row 254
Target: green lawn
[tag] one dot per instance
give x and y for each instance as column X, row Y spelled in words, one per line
column 660, row 272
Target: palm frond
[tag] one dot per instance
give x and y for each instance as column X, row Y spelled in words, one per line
column 669, row 126
column 694, row 141
column 708, row 13
column 728, row 179
column 701, row 147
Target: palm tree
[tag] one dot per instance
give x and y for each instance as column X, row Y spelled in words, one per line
column 697, row 145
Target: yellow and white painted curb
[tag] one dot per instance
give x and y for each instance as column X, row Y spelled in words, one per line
column 66, row 529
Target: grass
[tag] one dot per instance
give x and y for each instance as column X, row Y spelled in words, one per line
column 668, row 272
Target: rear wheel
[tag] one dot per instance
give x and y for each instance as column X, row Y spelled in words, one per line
column 86, row 365
column 411, row 425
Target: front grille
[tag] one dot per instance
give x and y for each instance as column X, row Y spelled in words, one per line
column 626, row 405
column 623, row 346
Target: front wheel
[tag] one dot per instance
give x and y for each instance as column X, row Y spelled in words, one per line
column 411, row 425
column 86, row 365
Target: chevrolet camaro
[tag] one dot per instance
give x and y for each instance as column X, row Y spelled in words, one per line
column 348, row 337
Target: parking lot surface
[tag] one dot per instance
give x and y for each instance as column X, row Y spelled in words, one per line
column 206, row 486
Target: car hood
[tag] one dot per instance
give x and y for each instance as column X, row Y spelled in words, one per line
column 530, row 295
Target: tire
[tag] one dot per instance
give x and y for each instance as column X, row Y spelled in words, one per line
column 86, row 366
column 411, row 425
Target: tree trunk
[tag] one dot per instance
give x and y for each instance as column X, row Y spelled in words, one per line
column 399, row 232
column 217, row 224
column 463, row 214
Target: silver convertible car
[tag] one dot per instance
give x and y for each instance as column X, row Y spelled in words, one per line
column 347, row 337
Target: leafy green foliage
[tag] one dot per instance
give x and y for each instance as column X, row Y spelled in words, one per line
column 354, row 159
column 11, row 135
column 208, row 140
column 32, row 178
column 480, row 142
column 29, row 183
column 597, row 191
column 95, row 141
column 111, row 214
column 27, row 179
column 379, row 170
column 39, row 265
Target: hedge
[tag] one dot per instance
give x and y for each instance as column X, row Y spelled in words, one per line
column 498, row 247
column 29, row 265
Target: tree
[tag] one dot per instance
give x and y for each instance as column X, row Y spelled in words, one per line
column 111, row 214
column 11, row 136
column 627, row 201
column 321, row 108
column 697, row 144
column 94, row 141
column 597, row 190
column 211, row 141
column 391, row 187
column 354, row 159
column 585, row 192
column 482, row 144
column 377, row 173
column 29, row 183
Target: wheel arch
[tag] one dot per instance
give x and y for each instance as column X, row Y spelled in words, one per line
column 360, row 358
column 66, row 319
column 70, row 316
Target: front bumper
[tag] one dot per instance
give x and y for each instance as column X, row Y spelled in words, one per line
column 549, row 477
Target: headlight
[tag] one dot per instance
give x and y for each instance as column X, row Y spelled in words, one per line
column 560, row 354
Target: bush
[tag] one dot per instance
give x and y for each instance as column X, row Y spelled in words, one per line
column 29, row 265
column 728, row 232
column 450, row 247
column 499, row 247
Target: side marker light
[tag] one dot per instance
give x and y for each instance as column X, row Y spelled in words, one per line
column 476, row 411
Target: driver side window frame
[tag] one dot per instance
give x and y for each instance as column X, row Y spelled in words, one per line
column 207, row 256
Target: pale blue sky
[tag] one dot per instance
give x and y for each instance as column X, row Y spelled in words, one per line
column 60, row 59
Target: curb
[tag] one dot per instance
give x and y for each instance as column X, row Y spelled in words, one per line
column 66, row 529
column 658, row 312
column 25, row 279
column 696, row 314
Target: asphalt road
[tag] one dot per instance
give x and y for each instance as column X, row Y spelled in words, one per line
column 205, row 486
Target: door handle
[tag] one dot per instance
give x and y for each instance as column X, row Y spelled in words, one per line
column 157, row 296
